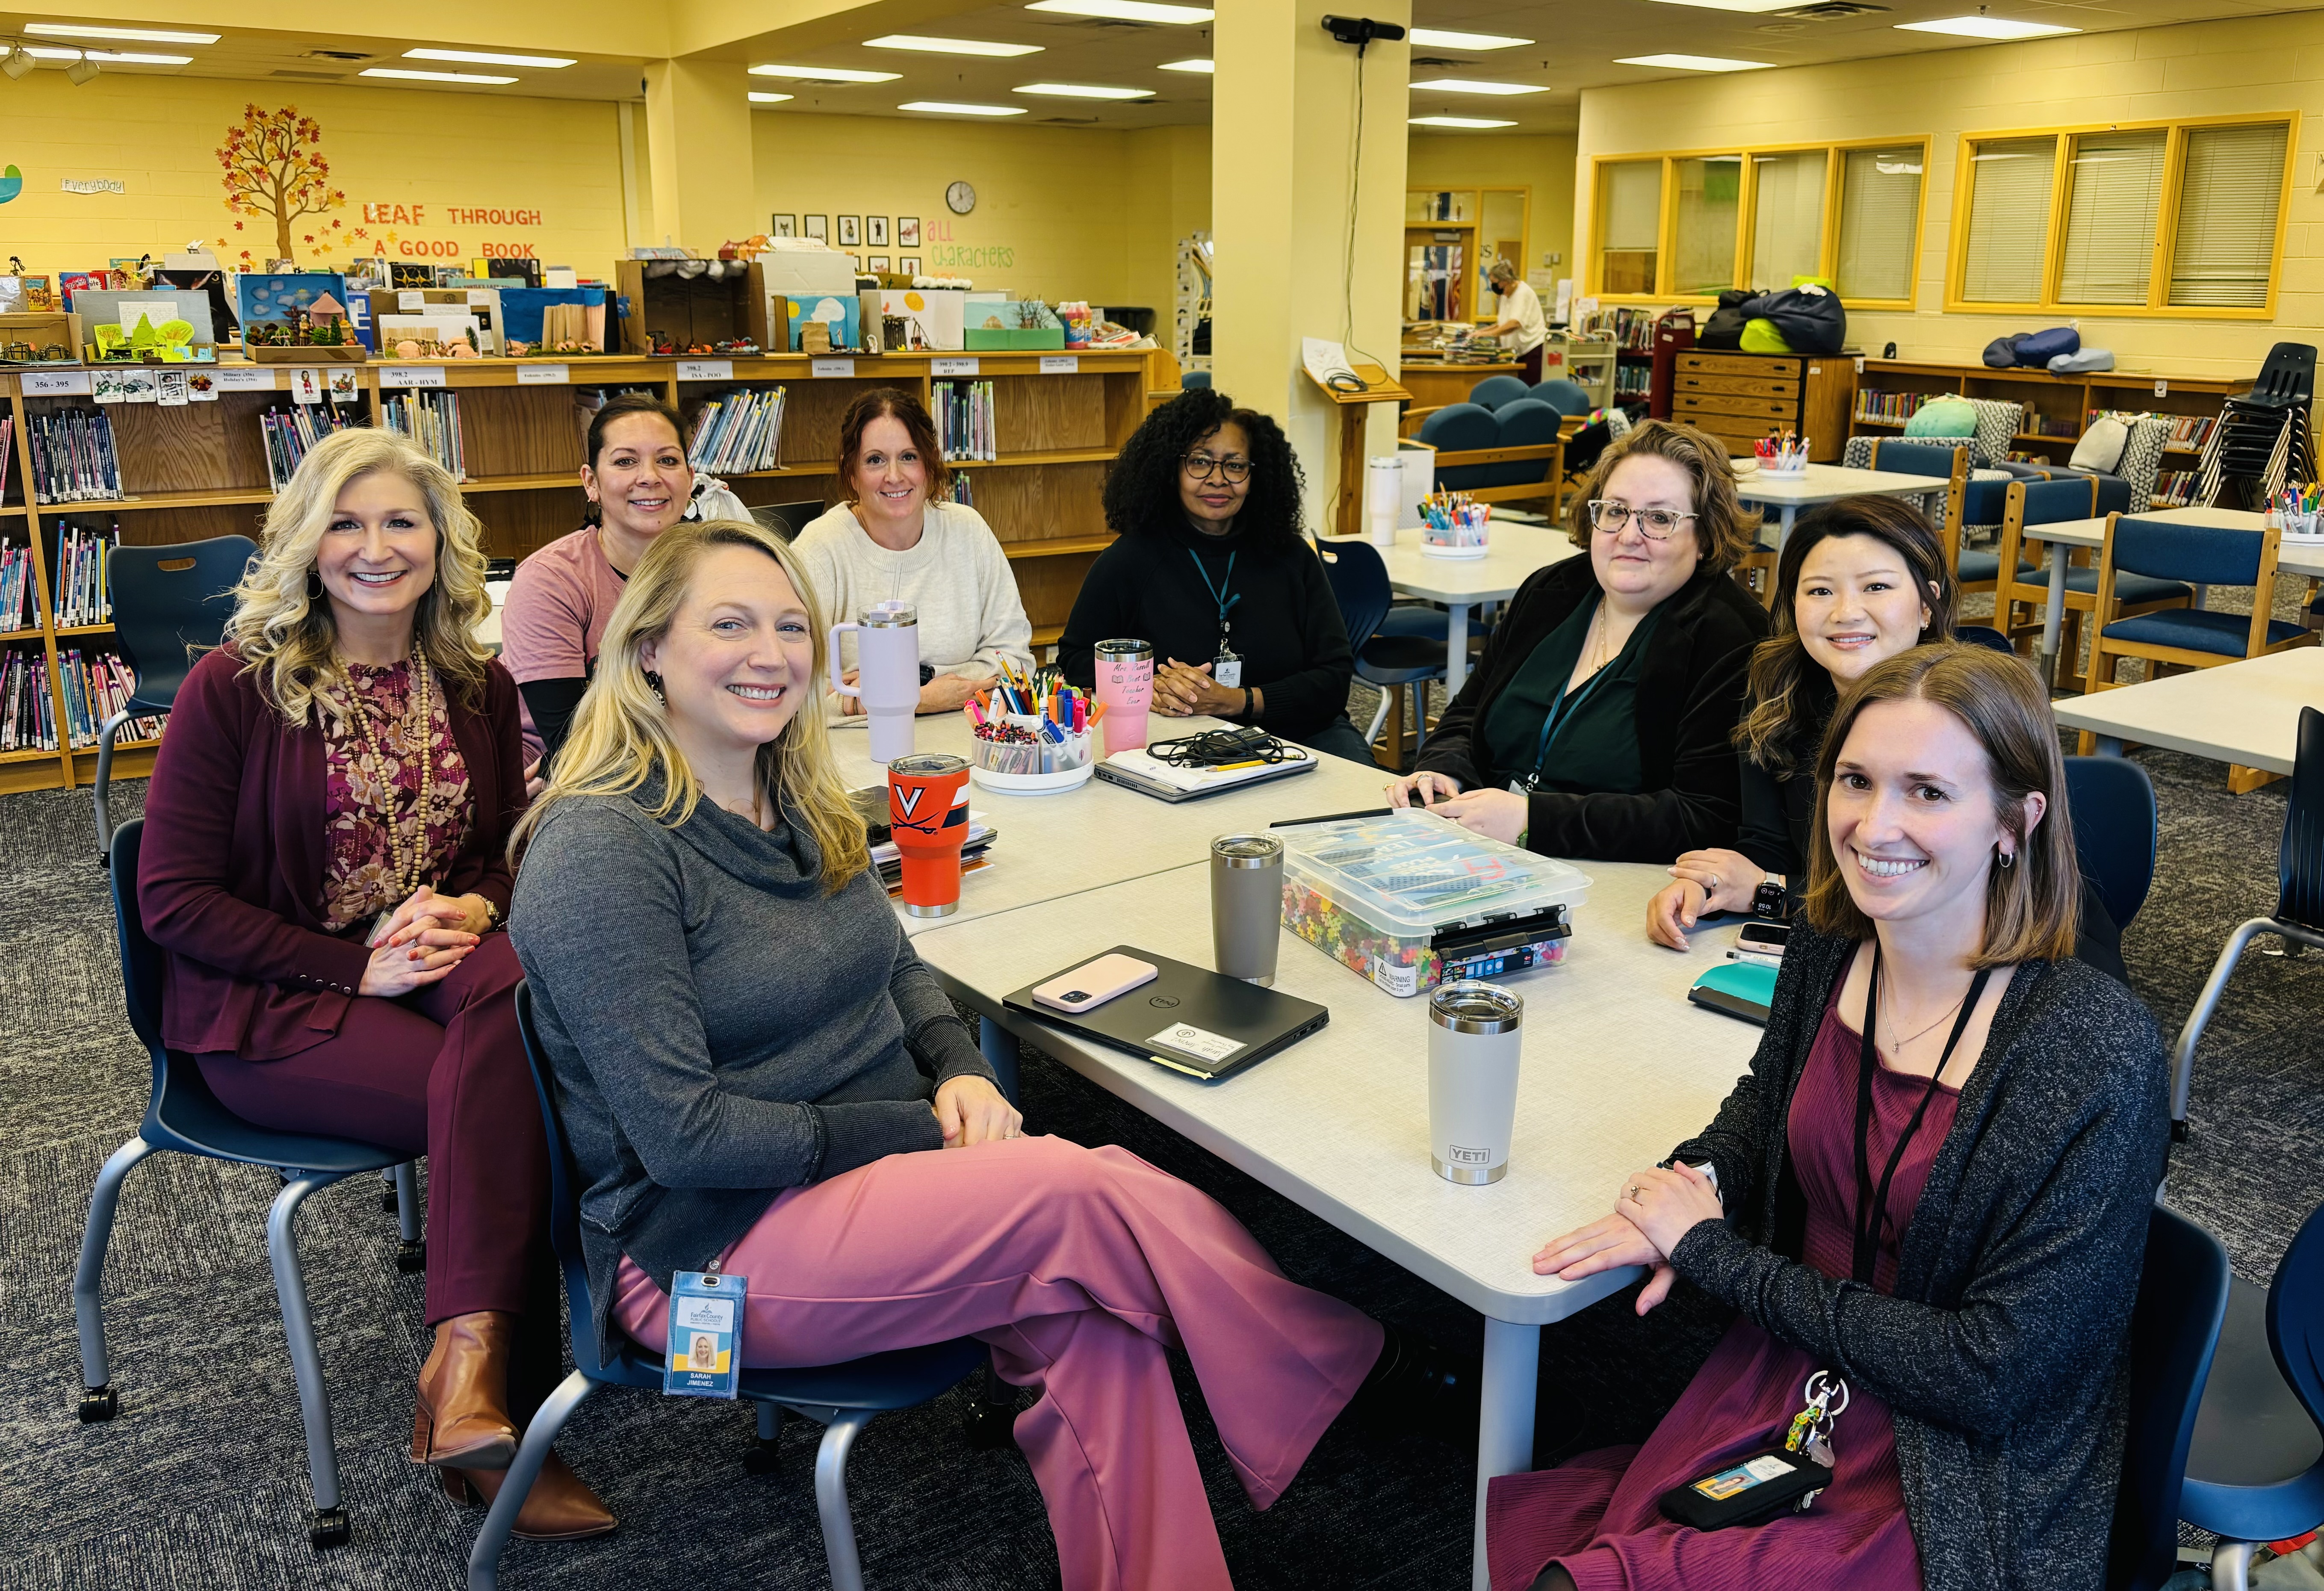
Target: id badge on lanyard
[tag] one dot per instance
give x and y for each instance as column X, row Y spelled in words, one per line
column 1227, row 667
column 705, row 1356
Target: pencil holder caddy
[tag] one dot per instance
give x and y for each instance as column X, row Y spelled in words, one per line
column 1032, row 766
column 2303, row 524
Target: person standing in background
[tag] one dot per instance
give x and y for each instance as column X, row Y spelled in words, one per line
column 1521, row 318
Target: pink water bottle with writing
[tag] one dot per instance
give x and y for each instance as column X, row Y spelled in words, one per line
column 1125, row 689
column 888, row 675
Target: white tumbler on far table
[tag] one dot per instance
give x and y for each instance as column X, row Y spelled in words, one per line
column 1383, row 497
column 887, row 674
column 1475, row 1041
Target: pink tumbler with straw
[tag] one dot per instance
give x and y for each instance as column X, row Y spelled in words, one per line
column 1125, row 689
column 887, row 674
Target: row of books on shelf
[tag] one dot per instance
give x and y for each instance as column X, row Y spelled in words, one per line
column 431, row 420
column 74, row 459
column 739, row 431
column 966, row 430
column 2189, row 431
column 18, row 610
column 2176, row 488
column 1632, row 329
column 1632, row 381
column 96, row 686
column 291, row 433
column 1887, row 408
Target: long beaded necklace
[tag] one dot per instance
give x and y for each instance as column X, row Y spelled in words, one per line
column 407, row 863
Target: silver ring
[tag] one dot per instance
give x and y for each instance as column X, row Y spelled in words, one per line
column 1714, row 882
column 1634, row 1194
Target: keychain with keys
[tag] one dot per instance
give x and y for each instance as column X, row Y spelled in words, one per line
column 1811, row 1428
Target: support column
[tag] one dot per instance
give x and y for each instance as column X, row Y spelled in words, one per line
column 698, row 143
column 1284, row 135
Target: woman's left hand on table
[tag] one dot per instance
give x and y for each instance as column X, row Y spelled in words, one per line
column 1184, row 689
column 1497, row 815
column 1606, row 1244
column 1666, row 1204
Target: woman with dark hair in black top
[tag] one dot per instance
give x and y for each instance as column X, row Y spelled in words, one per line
column 1213, row 570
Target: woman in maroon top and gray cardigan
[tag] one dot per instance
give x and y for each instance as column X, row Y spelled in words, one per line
column 325, row 863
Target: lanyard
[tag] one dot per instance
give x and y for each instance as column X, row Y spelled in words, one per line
column 1561, row 712
column 1872, row 1208
column 1218, row 589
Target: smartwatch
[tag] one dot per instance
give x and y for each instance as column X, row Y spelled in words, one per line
column 927, row 672
column 1768, row 901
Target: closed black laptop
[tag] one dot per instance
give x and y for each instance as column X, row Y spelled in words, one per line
column 1190, row 1019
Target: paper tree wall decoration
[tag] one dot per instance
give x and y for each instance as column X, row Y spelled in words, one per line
column 275, row 168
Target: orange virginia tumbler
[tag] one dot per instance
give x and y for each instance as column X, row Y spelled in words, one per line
column 928, row 810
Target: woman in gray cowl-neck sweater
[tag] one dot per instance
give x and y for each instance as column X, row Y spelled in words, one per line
column 752, row 1066
column 1971, row 1280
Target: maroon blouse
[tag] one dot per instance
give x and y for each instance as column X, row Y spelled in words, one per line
column 359, row 875
column 1597, row 1515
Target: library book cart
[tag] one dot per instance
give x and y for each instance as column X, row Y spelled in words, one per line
column 201, row 470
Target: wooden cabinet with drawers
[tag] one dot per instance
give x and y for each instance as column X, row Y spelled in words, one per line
column 1740, row 397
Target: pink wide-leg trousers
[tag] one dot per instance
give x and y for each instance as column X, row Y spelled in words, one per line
column 1079, row 1266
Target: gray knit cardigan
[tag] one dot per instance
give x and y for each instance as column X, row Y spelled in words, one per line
column 2001, row 1352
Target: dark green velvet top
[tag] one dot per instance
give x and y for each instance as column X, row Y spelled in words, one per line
column 1593, row 745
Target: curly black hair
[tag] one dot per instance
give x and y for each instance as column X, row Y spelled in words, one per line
column 1142, row 490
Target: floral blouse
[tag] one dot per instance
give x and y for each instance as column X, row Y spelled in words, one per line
column 359, row 870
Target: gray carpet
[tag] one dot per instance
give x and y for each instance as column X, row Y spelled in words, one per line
column 201, row 1480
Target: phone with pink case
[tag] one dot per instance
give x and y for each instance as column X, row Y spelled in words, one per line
column 1092, row 984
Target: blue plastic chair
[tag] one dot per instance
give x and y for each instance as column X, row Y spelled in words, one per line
column 182, row 1113
column 1495, row 391
column 2112, row 802
column 2194, row 638
column 2057, row 501
column 2256, row 1470
column 1389, row 661
column 1568, row 398
column 2299, row 907
column 1979, row 635
column 843, row 1398
column 1195, row 378
column 2175, row 1327
column 167, row 602
column 1461, row 427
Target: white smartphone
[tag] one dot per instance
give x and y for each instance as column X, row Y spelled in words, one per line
column 1092, row 984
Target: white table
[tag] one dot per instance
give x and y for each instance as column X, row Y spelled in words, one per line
column 1512, row 552
column 1822, row 483
column 2246, row 714
column 1619, row 1070
column 2298, row 556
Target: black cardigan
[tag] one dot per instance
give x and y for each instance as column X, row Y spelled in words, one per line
column 1689, row 695
column 2001, row 1352
column 1287, row 629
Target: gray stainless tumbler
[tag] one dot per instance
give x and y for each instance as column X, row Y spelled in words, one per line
column 1473, row 1043
column 1246, row 906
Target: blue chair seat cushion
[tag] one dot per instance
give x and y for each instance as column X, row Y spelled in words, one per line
column 1399, row 659
column 1986, row 568
column 1417, row 619
column 2197, row 629
column 2134, row 590
column 2255, row 1465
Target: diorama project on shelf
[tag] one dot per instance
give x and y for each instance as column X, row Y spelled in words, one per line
column 298, row 314
column 147, row 326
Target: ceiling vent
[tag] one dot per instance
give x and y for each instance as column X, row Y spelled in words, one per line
column 347, row 55
column 299, row 77
column 1065, row 122
column 1831, row 10
column 1439, row 61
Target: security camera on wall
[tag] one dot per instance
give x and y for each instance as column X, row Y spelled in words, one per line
column 1360, row 30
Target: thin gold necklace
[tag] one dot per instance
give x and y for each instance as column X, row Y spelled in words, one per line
column 407, row 863
column 1896, row 1044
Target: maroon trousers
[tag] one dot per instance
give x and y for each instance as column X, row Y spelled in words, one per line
column 441, row 1072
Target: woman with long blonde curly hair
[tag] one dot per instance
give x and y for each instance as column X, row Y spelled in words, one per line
column 325, row 862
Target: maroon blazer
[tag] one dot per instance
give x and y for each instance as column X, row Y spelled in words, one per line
column 230, row 877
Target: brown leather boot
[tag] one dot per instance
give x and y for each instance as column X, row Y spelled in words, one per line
column 461, row 1416
column 560, row 1507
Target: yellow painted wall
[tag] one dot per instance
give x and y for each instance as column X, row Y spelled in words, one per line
column 2261, row 63
column 1543, row 162
column 158, row 136
column 1168, row 197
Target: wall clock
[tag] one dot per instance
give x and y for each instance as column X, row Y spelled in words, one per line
column 960, row 198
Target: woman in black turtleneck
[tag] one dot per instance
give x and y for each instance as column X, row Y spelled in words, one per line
column 1213, row 570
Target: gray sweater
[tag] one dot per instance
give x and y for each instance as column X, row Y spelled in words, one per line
column 2001, row 1353
column 719, row 1028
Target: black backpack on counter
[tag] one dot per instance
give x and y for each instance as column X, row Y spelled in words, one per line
column 1724, row 329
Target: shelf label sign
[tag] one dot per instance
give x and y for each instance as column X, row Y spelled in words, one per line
column 411, row 375
column 230, row 379
column 410, row 301
column 951, row 367
column 56, row 384
column 543, row 375
column 831, row 367
column 1060, row 363
column 2162, row 388
column 706, row 370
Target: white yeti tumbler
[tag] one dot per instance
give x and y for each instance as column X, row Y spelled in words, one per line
column 1473, row 1043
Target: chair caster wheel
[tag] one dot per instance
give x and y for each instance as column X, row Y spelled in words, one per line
column 327, row 1527
column 387, row 1200
column 99, row 1403
column 762, row 1458
column 2179, row 1133
column 411, row 1256
column 989, row 1427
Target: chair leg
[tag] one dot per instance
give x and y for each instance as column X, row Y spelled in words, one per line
column 991, row 1422
column 412, row 1253
column 327, row 1525
column 101, row 789
column 831, row 1498
column 762, row 1457
column 1394, row 694
column 484, row 1557
column 2183, row 1053
column 97, row 1398
column 2231, row 1565
column 1379, row 716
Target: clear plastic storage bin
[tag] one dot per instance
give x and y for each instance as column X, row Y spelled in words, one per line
column 1411, row 899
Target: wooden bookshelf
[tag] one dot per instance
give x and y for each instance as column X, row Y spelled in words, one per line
column 192, row 472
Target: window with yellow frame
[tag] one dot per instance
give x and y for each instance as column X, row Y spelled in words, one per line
column 1684, row 225
column 2183, row 218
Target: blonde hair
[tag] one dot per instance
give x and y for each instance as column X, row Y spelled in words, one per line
column 1724, row 530
column 620, row 736
column 2031, row 909
column 282, row 629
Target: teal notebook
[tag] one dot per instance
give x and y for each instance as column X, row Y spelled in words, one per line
column 1739, row 989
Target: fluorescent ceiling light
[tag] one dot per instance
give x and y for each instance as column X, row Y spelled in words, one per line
column 1202, row 66
column 431, row 77
column 1455, row 121
column 148, row 35
column 1694, row 63
column 825, row 74
column 1145, row 11
column 135, row 58
column 486, row 58
column 51, row 52
column 1082, row 91
column 921, row 41
column 945, row 107
column 1446, row 39
column 758, row 97
column 1472, row 85
column 1986, row 27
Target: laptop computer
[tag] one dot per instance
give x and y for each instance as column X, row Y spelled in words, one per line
column 1189, row 1019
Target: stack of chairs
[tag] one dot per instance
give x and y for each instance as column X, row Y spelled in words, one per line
column 2262, row 443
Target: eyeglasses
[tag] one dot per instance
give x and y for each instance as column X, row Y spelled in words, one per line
column 1200, row 466
column 1610, row 516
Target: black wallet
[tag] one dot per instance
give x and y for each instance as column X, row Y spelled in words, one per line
column 1752, row 1490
